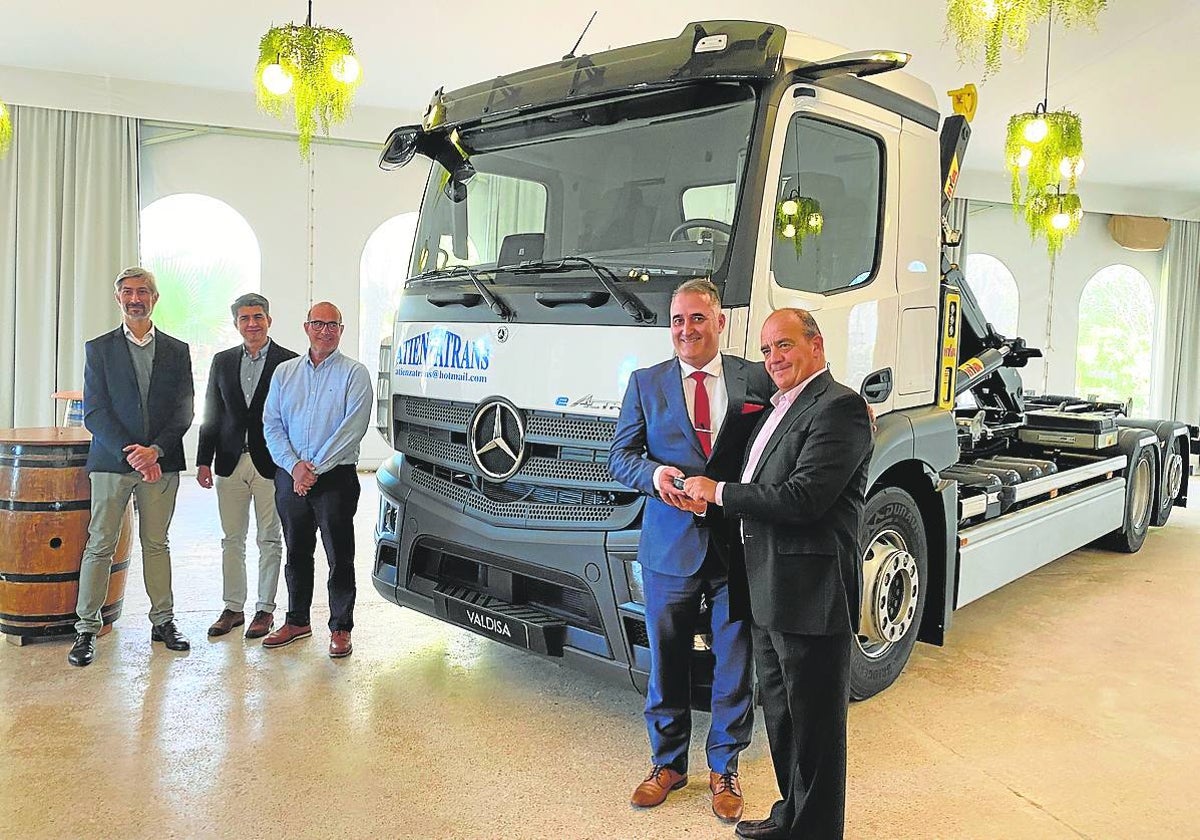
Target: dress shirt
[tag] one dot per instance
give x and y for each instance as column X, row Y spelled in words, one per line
column 140, row 342
column 250, row 370
column 317, row 413
column 782, row 401
column 718, row 398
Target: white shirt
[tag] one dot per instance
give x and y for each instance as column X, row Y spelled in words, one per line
column 718, row 398
column 140, row 342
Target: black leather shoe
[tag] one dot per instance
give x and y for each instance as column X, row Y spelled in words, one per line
column 84, row 650
column 169, row 635
column 766, row 829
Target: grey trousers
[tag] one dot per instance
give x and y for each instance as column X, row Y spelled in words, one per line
column 245, row 485
column 155, row 507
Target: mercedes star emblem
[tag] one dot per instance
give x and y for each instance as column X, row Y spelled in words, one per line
column 497, row 439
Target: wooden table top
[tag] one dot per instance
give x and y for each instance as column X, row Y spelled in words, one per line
column 46, row 435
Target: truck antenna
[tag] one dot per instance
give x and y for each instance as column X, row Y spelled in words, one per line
column 571, row 54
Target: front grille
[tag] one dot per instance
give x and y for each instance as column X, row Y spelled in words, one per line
column 563, row 481
column 513, row 513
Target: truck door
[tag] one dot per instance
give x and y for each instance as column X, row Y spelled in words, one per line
column 828, row 237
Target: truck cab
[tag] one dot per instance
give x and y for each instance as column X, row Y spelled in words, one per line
column 564, row 205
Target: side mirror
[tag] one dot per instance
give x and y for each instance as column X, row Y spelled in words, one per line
column 456, row 185
column 400, row 148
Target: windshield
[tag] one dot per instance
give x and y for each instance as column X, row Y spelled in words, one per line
column 647, row 183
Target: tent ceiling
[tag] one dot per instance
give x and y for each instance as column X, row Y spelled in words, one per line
column 1128, row 80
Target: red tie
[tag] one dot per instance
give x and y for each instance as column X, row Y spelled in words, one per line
column 702, row 422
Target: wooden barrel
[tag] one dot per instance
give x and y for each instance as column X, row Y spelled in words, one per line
column 44, row 512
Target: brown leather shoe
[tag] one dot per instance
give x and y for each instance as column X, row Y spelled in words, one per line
column 226, row 621
column 727, row 795
column 287, row 634
column 653, row 791
column 261, row 625
column 339, row 644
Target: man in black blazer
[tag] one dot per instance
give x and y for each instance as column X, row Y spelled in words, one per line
column 137, row 403
column 232, row 432
column 800, row 501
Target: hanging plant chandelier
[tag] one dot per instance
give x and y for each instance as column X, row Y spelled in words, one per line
column 1055, row 215
column 1044, row 149
column 6, row 131
column 311, row 68
column 798, row 217
column 985, row 27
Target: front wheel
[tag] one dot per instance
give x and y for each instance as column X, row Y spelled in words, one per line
column 895, row 569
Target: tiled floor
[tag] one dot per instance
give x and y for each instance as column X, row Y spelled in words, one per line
column 1064, row 706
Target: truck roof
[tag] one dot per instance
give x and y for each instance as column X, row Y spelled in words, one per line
column 747, row 51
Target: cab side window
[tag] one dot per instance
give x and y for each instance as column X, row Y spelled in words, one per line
column 827, row 219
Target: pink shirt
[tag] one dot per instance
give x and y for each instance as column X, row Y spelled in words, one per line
column 782, row 401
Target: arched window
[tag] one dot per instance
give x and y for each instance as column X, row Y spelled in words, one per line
column 382, row 272
column 1116, row 333
column 996, row 290
column 203, row 255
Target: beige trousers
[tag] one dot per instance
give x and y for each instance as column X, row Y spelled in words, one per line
column 235, row 495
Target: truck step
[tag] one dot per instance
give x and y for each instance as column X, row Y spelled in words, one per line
column 514, row 624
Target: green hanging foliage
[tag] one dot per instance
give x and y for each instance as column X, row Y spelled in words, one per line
column 1054, row 215
column 6, row 131
column 982, row 28
column 1056, row 157
column 313, row 57
column 798, row 217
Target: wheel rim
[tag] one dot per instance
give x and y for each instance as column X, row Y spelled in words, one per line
column 1141, row 495
column 1174, row 476
column 891, row 584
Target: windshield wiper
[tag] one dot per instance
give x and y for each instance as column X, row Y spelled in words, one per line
column 494, row 303
column 637, row 310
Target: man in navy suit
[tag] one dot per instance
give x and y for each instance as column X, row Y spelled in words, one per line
column 137, row 403
column 691, row 415
column 800, row 500
column 232, row 433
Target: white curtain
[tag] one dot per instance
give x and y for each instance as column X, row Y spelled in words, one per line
column 1180, row 319
column 68, row 225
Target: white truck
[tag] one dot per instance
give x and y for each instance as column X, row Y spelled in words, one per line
column 564, row 205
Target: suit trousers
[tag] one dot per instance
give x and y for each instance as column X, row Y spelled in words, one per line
column 805, row 687
column 672, row 609
column 329, row 506
column 235, row 494
column 155, row 507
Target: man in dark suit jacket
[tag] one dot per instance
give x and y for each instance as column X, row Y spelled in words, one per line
column 232, row 432
column 137, row 403
column 800, row 501
column 691, row 415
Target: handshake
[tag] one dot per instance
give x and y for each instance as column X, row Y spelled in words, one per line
column 691, row 494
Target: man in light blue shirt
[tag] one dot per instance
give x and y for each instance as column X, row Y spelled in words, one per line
column 316, row 414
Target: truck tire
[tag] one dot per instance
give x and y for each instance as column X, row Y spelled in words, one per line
column 1139, row 505
column 895, row 576
column 1172, row 483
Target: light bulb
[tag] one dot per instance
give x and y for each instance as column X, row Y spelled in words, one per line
column 815, row 221
column 790, row 207
column 1071, row 171
column 346, row 69
column 789, row 231
column 1024, row 157
column 1060, row 220
column 1035, row 130
column 277, row 80
column 989, row 9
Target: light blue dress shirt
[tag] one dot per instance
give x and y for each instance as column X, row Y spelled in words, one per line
column 317, row 413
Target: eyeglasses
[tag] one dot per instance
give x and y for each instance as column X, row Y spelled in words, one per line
column 324, row 326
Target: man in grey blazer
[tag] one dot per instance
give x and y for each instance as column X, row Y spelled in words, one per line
column 137, row 403
column 800, row 501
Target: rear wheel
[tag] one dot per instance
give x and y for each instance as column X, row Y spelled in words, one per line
column 1172, row 470
column 895, row 570
column 1139, row 504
